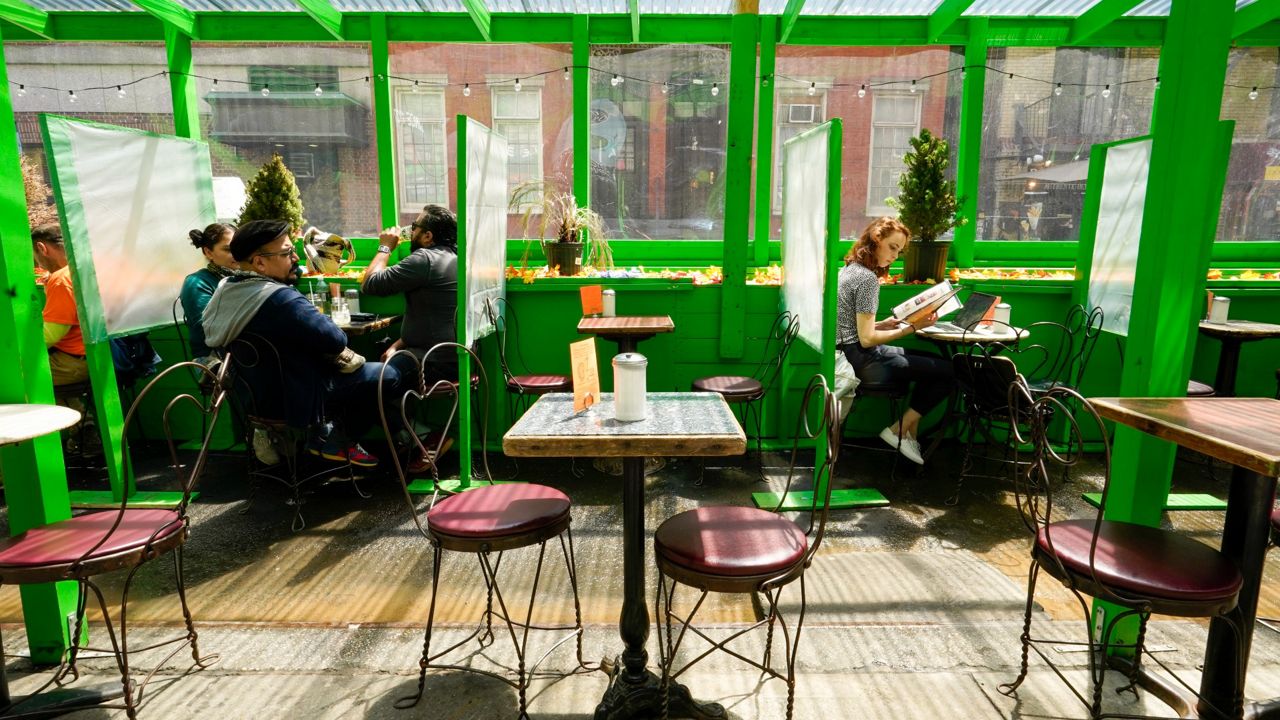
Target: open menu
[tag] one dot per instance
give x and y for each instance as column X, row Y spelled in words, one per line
column 939, row 298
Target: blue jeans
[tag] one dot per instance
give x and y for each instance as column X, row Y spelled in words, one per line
column 933, row 376
column 352, row 400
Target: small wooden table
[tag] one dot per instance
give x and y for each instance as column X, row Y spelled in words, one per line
column 1232, row 334
column 628, row 330
column 976, row 336
column 1244, row 432
column 683, row 424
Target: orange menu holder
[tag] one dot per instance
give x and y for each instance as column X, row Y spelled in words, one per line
column 592, row 300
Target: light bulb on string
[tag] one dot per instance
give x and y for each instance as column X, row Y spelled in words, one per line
column 616, row 80
column 415, row 86
column 1106, row 91
column 120, row 91
column 22, row 90
column 1157, row 82
column 862, row 91
column 813, row 88
column 72, row 96
column 715, row 88
column 518, row 87
column 567, row 74
column 1057, row 90
column 466, row 90
column 764, row 81
column 318, row 91
column 665, row 88
column 1010, row 76
column 215, row 83
column 913, row 86
column 1253, row 94
column 266, row 90
column 962, row 71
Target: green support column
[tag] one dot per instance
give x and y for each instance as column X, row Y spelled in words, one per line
column 737, row 195
column 969, row 155
column 36, row 487
column 186, row 102
column 581, row 111
column 384, row 127
column 764, row 140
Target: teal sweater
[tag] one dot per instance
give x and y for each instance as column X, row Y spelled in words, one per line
column 196, row 291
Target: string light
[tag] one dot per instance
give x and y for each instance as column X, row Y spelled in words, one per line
column 615, row 80
column 567, row 74
column 120, row 91
column 266, row 90
column 72, row 97
column 813, row 88
column 466, row 90
column 1058, row 90
column 665, row 88
column 862, row 91
column 518, row 87
column 1157, row 82
column 22, row 90
column 913, row 86
column 1106, row 91
column 1253, row 94
column 715, row 88
column 318, row 91
column 415, row 86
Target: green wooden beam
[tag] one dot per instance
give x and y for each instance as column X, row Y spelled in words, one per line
column 383, row 121
column 325, row 15
column 969, row 152
column 789, row 17
column 764, row 141
column 737, row 173
column 479, row 13
column 1255, row 15
column 172, row 14
column 182, row 85
column 1099, row 16
column 582, row 110
column 635, row 21
column 946, row 15
column 27, row 17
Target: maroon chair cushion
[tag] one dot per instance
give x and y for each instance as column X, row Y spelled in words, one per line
column 498, row 511
column 732, row 387
column 731, row 541
column 1143, row 561
column 539, row 384
column 65, row 541
column 1195, row 388
column 1275, row 525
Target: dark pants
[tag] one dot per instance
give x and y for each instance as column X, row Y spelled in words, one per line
column 352, row 401
column 890, row 365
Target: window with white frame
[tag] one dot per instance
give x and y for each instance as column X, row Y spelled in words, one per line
column 797, row 112
column 517, row 116
column 422, row 158
column 895, row 119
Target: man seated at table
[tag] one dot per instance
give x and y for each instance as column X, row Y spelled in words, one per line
column 62, row 337
column 321, row 377
column 428, row 277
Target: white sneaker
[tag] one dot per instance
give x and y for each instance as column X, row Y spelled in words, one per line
column 909, row 447
column 263, row 448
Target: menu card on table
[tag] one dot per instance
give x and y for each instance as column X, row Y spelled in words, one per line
column 592, row 300
column 586, row 374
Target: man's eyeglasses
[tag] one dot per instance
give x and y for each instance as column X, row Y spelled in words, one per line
column 291, row 252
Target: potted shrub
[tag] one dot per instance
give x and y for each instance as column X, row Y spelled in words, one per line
column 927, row 205
column 271, row 194
column 566, row 229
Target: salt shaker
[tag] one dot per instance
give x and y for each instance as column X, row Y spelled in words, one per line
column 1218, row 313
column 629, row 386
column 1003, row 313
column 610, row 299
column 353, row 300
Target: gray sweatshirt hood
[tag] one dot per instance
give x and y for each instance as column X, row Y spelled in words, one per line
column 234, row 303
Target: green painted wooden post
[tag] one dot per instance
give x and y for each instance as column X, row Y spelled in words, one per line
column 464, row 357
column 384, row 127
column 182, row 86
column 737, row 195
column 581, row 111
column 969, row 154
column 764, row 140
column 36, row 487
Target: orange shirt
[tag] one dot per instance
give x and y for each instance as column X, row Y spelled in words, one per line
column 60, row 307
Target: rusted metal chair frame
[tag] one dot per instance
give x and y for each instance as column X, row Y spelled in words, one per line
column 162, row 540
column 399, row 415
column 251, row 351
column 1035, row 503
column 437, row 389
column 817, row 397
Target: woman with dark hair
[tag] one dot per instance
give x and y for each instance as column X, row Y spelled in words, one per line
column 863, row 340
column 215, row 242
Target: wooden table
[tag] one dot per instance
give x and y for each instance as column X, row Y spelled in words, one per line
column 1232, row 334
column 355, row 329
column 976, row 336
column 627, row 330
column 1244, row 432
column 683, row 424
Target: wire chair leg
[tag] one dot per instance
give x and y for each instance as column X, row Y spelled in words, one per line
column 192, row 636
column 571, row 566
column 1011, row 688
column 409, row 701
column 1132, row 685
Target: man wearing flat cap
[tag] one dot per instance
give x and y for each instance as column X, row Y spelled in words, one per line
column 318, row 376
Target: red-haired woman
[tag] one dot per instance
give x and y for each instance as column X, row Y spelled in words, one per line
column 864, row 340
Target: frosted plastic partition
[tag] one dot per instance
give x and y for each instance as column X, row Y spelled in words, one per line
column 1115, row 248
column 484, row 223
column 804, row 225
column 128, row 195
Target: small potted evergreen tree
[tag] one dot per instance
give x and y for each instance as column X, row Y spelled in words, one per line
column 927, row 205
column 272, row 194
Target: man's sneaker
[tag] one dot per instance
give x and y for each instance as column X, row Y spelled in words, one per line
column 424, row 463
column 352, row 454
column 263, row 448
column 908, row 446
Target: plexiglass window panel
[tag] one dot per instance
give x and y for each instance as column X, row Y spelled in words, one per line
column 1251, row 200
column 1036, row 137
column 422, row 158
column 326, row 139
column 658, row 137
column 870, row 89
column 42, row 74
column 478, row 80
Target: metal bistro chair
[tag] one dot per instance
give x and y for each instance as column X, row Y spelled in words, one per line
column 442, row 388
column 83, row 547
column 485, row 521
column 1144, row 570
column 984, row 372
column 750, row 391
column 257, row 384
column 746, row 550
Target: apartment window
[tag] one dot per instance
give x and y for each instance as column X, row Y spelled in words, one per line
column 517, row 116
column 797, row 112
column 895, row 119
column 422, row 159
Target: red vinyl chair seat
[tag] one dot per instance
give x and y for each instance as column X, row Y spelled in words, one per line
column 64, row 542
column 1275, row 525
column 731, row 541
column 1195, row 388
column 497, row 511
column 540, row 384
column 732, row 387
column 1143, row 561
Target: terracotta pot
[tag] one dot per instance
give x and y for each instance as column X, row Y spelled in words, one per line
column 566, row 255
column 925, row 261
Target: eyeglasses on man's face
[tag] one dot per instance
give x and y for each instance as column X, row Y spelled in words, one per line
column 291, row 252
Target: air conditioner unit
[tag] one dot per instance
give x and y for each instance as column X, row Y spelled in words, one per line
column 802, row 114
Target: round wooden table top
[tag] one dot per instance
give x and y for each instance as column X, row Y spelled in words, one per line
column 23, row 422
column 1007, row 334
column 1240, row 329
